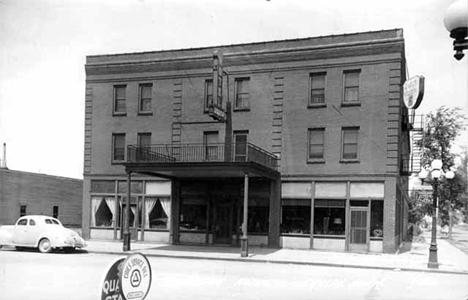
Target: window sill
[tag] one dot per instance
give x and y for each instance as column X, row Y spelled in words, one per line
column 156, row 230
column 316, row 161
column 242, row 109
column 302, row 235
column 119, row 114
column 372, row 238
column 117, row 162
column 349, row 161
column 102, row 227
column 324, row 236
column 344, row 104
column 319, row 105
column 145, row 113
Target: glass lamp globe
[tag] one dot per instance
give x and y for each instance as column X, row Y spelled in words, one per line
column 436, row 164
column 456, row 15
column 449, row 175
column 422, row 174
column 436, row 173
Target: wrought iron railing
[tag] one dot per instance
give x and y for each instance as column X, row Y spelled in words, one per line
column 183, row 153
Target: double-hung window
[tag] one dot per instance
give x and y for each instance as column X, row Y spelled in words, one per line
column 118, row 147
column 119, row 100
column 208, row 94
column 317, row 89
column 240, row 142
column 351, row 87
column 349, row 149
column 316, row 144
column 144, row 106
column 242, row 100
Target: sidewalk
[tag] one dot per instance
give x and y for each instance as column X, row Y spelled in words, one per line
column 411, row 257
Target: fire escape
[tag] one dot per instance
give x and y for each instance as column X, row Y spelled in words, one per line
column 414, row 124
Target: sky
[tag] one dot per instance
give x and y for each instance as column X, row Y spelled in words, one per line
column 44, row 44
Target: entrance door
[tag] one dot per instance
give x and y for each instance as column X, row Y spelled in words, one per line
column 358, row 230
column 135, row 217
column 222, row 223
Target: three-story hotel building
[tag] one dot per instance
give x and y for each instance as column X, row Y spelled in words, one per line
column 315, row 140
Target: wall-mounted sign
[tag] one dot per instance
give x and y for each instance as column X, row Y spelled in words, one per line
column 216, row 112
column 110, row 289
column 135, row 277
column 413, row 92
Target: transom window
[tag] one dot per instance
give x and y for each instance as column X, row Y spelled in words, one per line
column 316, row 143
column 317, row 89
column 119, row 99
column 118, row 146
column 242, row 100
column 351, row 86
column 350, row 143
column 145, row 97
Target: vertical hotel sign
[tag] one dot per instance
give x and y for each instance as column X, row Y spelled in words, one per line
column 215, row 109
column 413, row 92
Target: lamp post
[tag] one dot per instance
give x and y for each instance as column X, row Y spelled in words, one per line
column 456, row 22
column 436, row 173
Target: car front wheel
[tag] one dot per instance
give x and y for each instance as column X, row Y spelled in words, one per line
column 45, row 246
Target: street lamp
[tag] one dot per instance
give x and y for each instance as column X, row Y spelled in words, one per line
column 436, row 173
column 456, row 22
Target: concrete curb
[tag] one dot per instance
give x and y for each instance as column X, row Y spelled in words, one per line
column 284, row 262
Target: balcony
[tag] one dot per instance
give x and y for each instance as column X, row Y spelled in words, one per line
column 197, row 160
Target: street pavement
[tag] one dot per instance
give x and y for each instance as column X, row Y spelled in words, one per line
column 411, row 256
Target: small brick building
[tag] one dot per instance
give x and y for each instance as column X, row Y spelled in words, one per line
column 24, row 193
column 317, row 137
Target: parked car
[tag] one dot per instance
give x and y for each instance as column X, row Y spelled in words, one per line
column 42, row 232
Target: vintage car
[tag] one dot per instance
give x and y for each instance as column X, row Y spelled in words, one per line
column 42, row 232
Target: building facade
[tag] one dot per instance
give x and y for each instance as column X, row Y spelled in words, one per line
column 24, row 193
column 314, row 141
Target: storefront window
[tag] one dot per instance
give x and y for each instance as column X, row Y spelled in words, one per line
column 376, row 226
column 103, row 186
column 258, row 214
column 137, row 187
column 158, row 212
column 295, row 216
column 329, row 217
column 103, row 211
column 193, row 214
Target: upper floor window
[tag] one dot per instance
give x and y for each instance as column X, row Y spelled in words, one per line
column 317, row 89
column 144, row 139
column 212, row 147
column 349, row 148
column 145, row 92
column 208, row 93
column 118, row 147
column 55, row 211
column 351, row 86
column 22, row 210
column 242, row 100
column 240, row 145
column 316, row 143
column 119, row 99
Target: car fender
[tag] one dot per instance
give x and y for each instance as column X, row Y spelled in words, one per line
column 6, row 234
column 54, row 236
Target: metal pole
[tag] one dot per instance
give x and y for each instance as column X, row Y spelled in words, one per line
column 244, row 238
column 126, row 234
column 433, row 263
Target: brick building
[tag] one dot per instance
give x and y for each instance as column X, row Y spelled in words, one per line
column 24, row 193
column 317, row 139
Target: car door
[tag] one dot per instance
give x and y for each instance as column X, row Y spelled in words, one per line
column 20, row 232
column 32, row 232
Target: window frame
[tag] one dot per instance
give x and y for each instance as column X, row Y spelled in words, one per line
column 114, row 136
column 208, row 92
column 243, row 92
column 348, row 129
column 55, row 211
column 344, row 102
column 311, row 104
column 309, row 140
column 22, row 214
column 235, row 135
column 140, row 99
column 115, row 99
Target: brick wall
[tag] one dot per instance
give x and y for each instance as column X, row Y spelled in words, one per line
column 39, row 193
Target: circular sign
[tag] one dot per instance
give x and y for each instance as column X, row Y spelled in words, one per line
column 111, row 287
column 413, row 92
column 135, row 277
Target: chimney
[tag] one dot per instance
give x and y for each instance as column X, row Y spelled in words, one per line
column 3, row 164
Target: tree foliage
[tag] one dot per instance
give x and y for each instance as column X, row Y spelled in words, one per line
column 441, row 130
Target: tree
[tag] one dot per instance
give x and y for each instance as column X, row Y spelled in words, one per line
column 441, row 130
